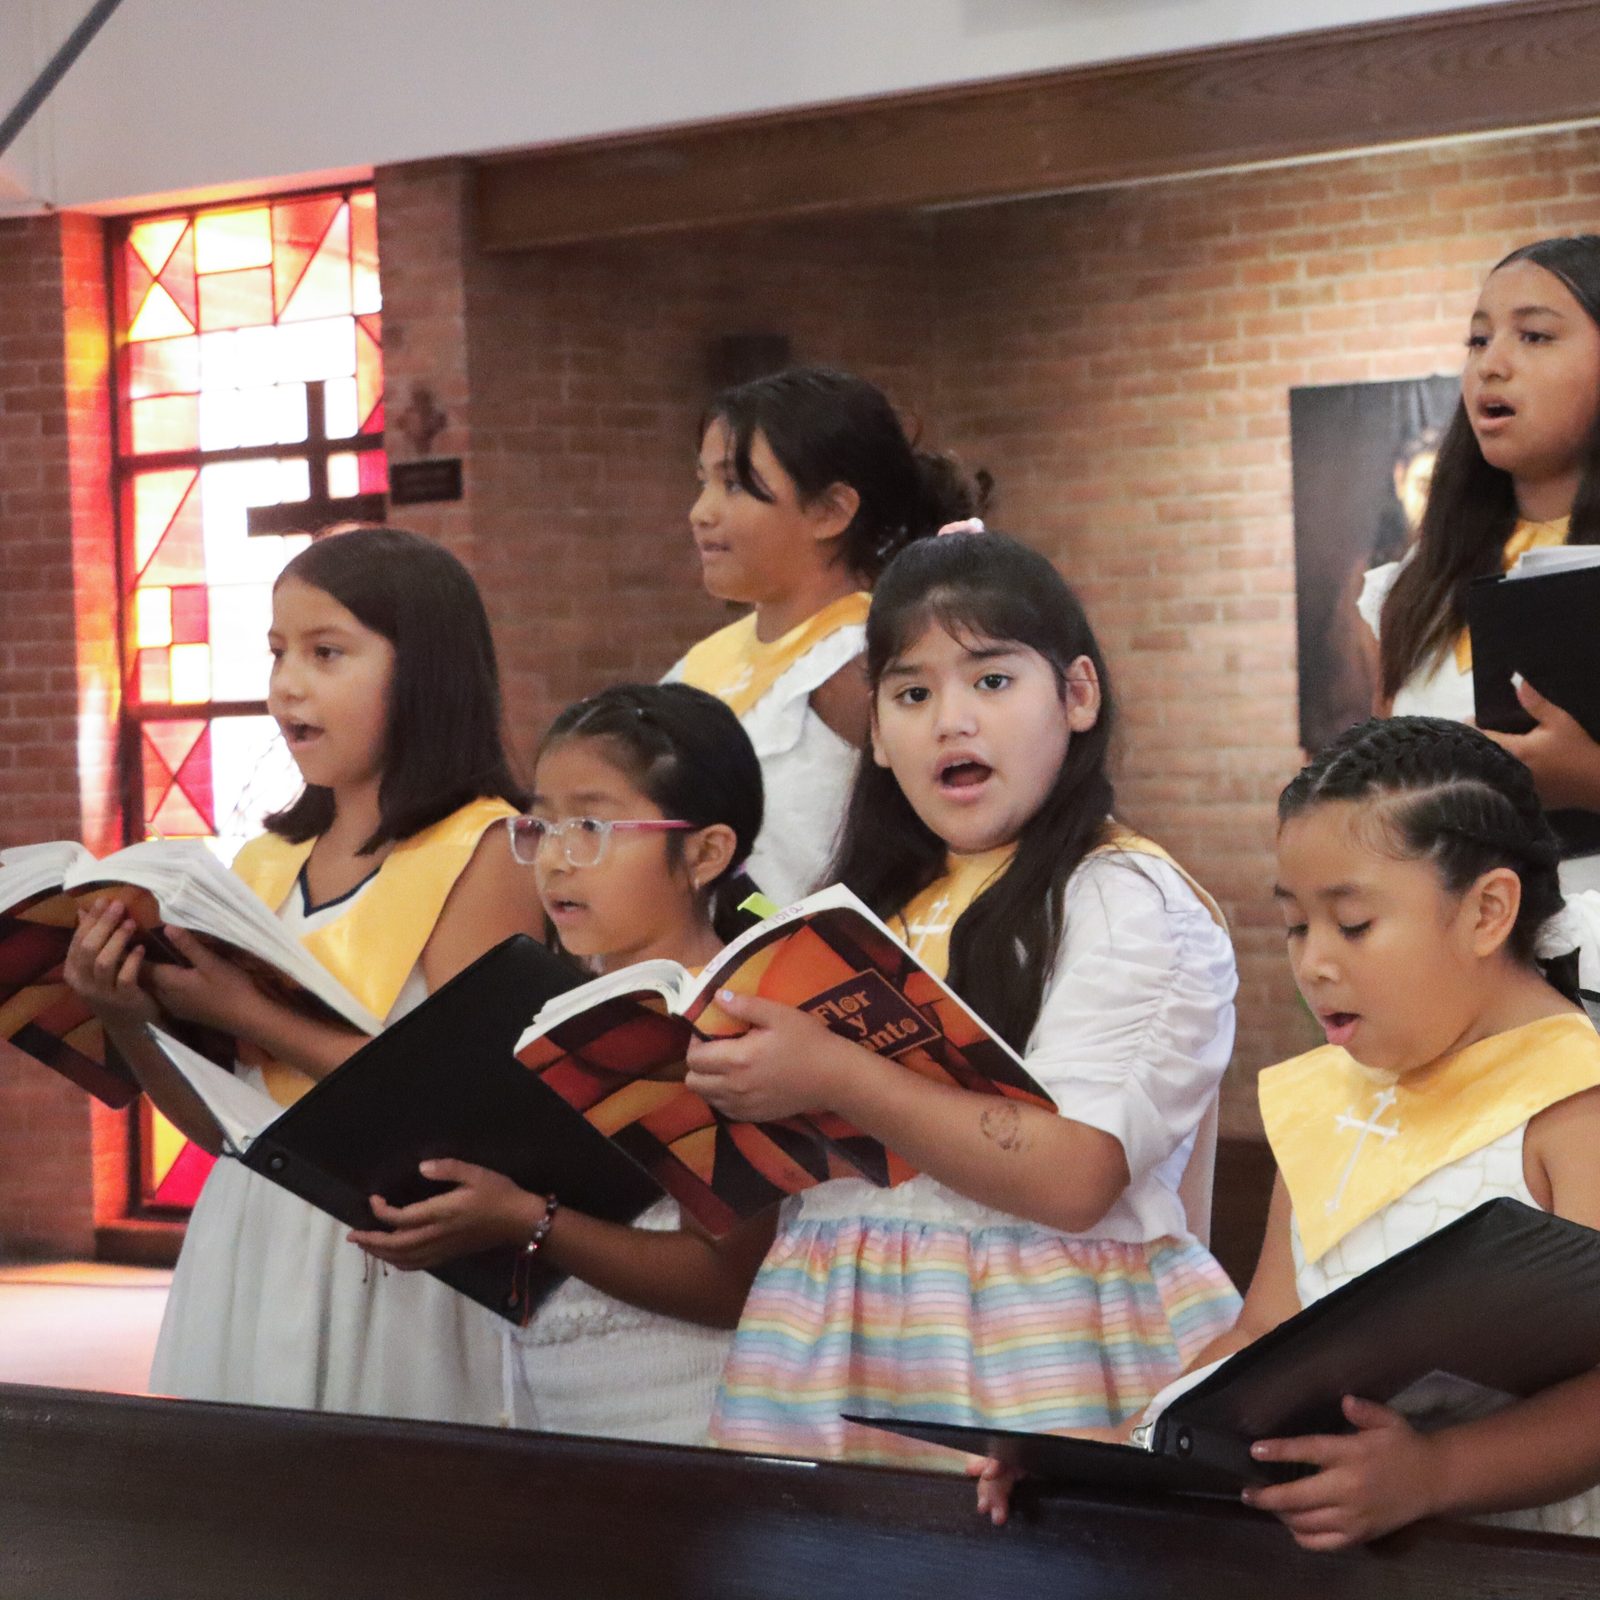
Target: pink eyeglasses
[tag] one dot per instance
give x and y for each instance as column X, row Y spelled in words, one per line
column 584, row 840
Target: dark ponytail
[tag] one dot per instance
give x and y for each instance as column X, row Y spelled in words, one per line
column 689, row 753
column 1451, row 796
column 826, row 427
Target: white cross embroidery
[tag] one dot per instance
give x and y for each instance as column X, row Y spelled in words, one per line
column 921, row 932
column 1371, row 1125
column 739, row 684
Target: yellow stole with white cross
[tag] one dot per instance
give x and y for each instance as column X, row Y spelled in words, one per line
column 372, row 946
column 925, row 924
column 1350, row 1141
column 739, row 669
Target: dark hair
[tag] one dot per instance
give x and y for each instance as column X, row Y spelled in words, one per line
column 443, row 744
column 1472, row 506
column 829, row 427
column 690, row 754
column 1452, row 796
column 1002, row 949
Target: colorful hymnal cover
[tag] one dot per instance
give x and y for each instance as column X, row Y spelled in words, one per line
column 439, row 1082
column 1441, row 1332
column 614, row 1050
column 177, row 882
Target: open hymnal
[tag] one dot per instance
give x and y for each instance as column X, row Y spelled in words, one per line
column 176, row 882
column 614, row 1051
column 1440, row 1332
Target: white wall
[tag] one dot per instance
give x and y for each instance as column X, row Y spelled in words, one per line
column 186, row 95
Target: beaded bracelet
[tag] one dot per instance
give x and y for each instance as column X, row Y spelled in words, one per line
column 521, row 1297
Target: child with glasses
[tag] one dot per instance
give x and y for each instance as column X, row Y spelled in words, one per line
column 647, row 801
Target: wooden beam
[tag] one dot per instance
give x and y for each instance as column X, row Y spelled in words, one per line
column 111, row 1498
column 1489, row 69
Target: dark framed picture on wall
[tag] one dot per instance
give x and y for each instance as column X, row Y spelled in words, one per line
column 1362, row 458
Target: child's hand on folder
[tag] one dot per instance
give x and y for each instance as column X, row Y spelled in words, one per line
column 785, row 1062
column 1564, row 760
column 995, row 1484
column 485, row 1209
column 1368, row 1483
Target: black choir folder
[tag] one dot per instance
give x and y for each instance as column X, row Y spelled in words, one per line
column 440, row 1082
column 1495, row 1306
column 1547, row 627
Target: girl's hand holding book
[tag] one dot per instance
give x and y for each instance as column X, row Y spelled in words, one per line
column 1564, row 760
column 786, row 1062
column 1369, row 1482
column 211, row 990
column 483, row 1210
column 103, row 965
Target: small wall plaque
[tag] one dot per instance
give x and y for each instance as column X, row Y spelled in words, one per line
column 415, row 483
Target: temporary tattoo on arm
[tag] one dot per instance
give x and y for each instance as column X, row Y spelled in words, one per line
column 1002, row 1124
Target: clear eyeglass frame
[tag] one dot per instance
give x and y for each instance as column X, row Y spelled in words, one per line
column 584, row 840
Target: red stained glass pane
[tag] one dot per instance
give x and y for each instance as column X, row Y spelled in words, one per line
column 194, row 778
column 153, row 680
column 191, row 615
column 152, row 241
column 169, row 422
column 225, row 241
column 163, row 366
column 158, row 317
column 177, row 277
column 374, row 473
column 180, row 558
column 369, row 371
column 168, row 745
column 177, row 818
column 185, row 1178
column 156, row 499
column 136, row 281
column 236, row 299
column 298, row 228
column 364, row 252
column 324, row 287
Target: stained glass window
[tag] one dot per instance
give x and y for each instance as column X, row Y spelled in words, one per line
column 249, row 414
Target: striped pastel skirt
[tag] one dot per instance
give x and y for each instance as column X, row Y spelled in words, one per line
column 1009, row 1326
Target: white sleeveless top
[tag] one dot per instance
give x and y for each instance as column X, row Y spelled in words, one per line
column 1489, row 1173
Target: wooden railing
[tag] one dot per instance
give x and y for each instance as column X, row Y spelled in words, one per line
column 107, row 1496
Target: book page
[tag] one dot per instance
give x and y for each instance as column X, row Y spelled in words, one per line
column 179, row 881
column 239, row 1110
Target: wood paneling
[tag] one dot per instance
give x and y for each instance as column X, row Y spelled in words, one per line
column 107, row 1498
column 1484, row 70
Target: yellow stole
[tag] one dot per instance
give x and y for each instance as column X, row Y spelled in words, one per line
column 1524, row 537
column 1350, row 1141
column 928, row 918
column 739, row 669
column 374, row 945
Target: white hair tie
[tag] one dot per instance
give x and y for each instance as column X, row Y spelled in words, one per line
column 966, row 525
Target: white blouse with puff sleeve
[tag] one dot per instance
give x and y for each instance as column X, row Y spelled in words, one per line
column 1134, row 1034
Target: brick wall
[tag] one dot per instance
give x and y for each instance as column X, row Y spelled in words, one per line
column 58, row 680
column 1120, row 360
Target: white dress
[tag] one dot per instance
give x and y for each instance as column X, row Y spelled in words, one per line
column 270, row 1305
column 806, row 770
column 594, row 1365
column 1444, row 690
column 1488, row 1173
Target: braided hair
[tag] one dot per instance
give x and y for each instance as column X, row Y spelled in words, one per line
column 1452, row 796
column 690, row 754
